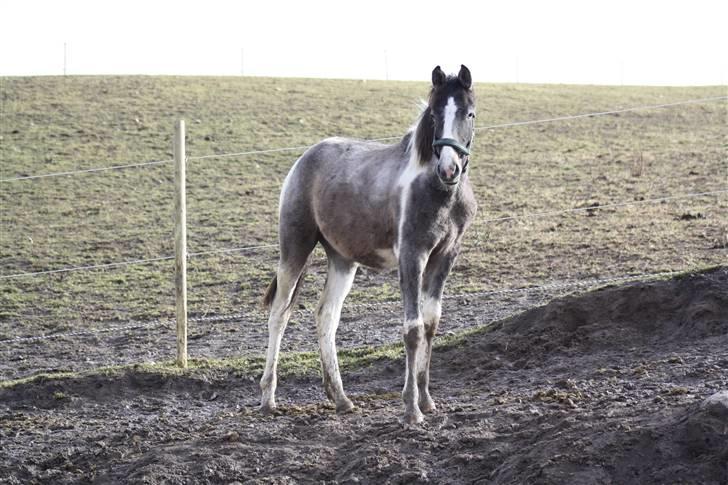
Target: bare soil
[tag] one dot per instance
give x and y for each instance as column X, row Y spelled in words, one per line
column 612, row 386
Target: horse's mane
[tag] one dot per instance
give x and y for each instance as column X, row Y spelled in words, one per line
column 419, row 137
column 424, row 136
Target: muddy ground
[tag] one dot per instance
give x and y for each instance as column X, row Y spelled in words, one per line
column 619, row 385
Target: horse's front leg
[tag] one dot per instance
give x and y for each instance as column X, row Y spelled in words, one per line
column 411, row 267
column 436, row 272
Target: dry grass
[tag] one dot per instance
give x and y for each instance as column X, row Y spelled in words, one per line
column 54, row 124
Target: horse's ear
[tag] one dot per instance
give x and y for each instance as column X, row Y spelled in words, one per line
column 464, row 77
column 438, row 77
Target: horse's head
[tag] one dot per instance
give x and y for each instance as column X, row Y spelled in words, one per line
column 446, row 130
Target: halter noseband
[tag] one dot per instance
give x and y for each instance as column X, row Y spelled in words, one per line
column 449, row 142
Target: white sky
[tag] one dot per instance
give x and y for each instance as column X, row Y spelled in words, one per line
column 553, row 41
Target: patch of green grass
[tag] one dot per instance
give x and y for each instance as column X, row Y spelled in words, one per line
column 303, row 363
column 51, row 376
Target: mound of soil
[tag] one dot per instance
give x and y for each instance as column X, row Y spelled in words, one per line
column 659, row 314
column 620, row 385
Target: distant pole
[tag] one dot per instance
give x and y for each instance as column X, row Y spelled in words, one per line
column 386, row 65
column 65, row 58
column 180, row 242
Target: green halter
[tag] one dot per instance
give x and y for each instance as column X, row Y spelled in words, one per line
column 449, row 142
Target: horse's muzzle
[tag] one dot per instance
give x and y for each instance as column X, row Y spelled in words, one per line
column 448, row 165
column 449, row 173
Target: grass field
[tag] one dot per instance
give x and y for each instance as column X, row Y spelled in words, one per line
column 54, row 124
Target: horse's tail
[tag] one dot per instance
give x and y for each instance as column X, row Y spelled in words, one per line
column 270, row 293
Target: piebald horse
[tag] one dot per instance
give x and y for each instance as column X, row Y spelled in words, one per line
column 402, row 206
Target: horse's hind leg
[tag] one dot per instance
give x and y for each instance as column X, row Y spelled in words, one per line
column 340, row 276
column 294, row 254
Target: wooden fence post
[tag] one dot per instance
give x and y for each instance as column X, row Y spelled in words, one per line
column 180, row 241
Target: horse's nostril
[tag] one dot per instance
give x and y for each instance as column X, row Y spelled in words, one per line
column 448, row 173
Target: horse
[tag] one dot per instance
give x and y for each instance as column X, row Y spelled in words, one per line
column 405, row 206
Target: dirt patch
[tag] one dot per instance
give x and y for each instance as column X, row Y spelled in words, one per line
column 620, row 385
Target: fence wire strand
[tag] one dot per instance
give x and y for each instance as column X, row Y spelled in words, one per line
column 87, row 267
column 89, row 170
column 136, row 261
column 86, row 333
column 605, row 206
column 387, row 138
column 603, row 113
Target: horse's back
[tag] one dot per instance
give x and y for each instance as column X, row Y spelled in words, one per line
column 342, row 154
column 360, row 166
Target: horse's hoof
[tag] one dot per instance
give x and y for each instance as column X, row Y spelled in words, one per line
column 413, row 418
column 428, row 406
column 344, row 407
column 267, row 409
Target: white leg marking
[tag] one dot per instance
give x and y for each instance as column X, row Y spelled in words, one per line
column 421, row 356
column 431, row 310
column 410, row 324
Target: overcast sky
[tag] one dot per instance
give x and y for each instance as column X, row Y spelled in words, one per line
column 552, row 41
